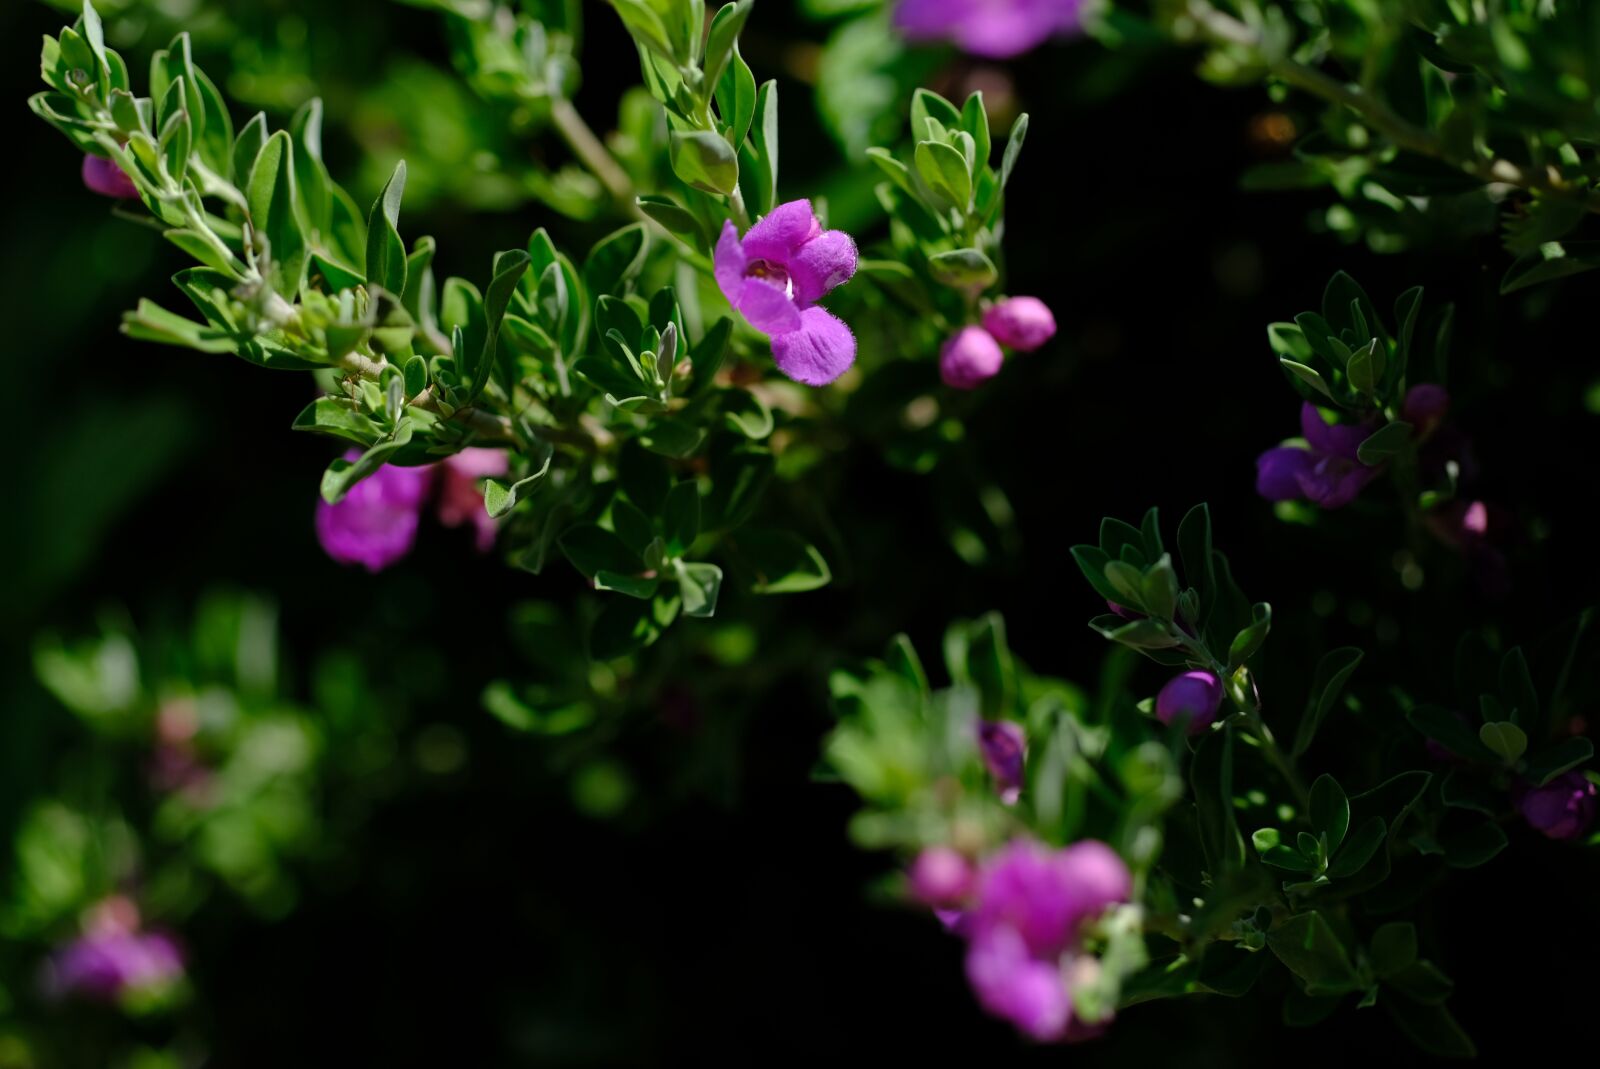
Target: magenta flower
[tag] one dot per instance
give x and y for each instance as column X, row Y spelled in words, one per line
column 1561, row 809
column 942, row 877
column 1023, row 323
column 774, row 277
column 970, row 358
column 994, row 29
column 1325, row 471
column 374, row 524
column 104, row 177
column 1033, row 902
column 1003, row 747
column 461, row 493
column 1191, row 699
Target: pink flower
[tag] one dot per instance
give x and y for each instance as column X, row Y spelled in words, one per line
column 970, row 358
column 461, row 495
column 1023, row 323
column 103, row 176
column 994, row 29
column 1191, row 699
column 942, row 877
column 375, row 524
column 775, row 275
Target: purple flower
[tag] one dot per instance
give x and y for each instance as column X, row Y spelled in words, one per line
column 1191, row 699
column 994, row 29
column 1425, row 407
column 1325, row 471
column 103, row 176
column 942, row 877
column 970, row 358
column 1033, row 902
column 775, row 276
column 376, row 522
column 1023, row 323
column 1003, row 746
column 460, row 496
column 106, row 965
column 1561, row 809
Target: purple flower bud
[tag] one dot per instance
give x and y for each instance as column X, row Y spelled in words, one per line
column 970, row 358
column 107, row 179
column 1003, row 746
column 105, row 966
column 1425, row 407
column 1192, row 699
column 374, row 524
column 1023, row 323
column 941, row 877
column 994, row 29
column 775, row 275
column 1561, row 809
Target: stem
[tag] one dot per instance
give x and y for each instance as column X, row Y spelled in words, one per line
column 591, row 152
column 1222, row 28
column 741, row 214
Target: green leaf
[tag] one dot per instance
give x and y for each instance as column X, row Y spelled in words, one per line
column 1019, row 131
column 1330, row 810
column 338, row 418
column 151, row 322
column 1421, row 981
column 625, row 625
column 1384, row 443
column 1394, row 947
column 1472, row 846
column 704, row 160
column 676, row 218
column 1550, row 261
column 1516, row 687
column 499, row 500
column 644, row 478
column 1431, row 1028
column 746, row 413
column 1550, row 762
column 633, row 586
column 1249, row 641
column 1359, row 848
column 593, row 549
column 680, row 519
column 1450, row 731
column 975, row 121
column 782, row 562
column 698, row 585
column 1211, row 780
column 342, row 474
column 509, row 268
column 758, row 160
column 963, row 269
column 1505, row 739
column 1333, row 671
column 615, row 260
column 1308, row 375
column 1308, row 946
column 274, row 213
column 944, row 169
column 386, row 253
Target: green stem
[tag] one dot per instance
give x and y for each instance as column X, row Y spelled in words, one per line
column 591, row 152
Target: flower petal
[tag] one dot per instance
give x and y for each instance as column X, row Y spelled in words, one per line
column 781, row 231
column 818, row 352
column 767, row 307
column 1278, row 472
column 729, row 263
column 826, row 261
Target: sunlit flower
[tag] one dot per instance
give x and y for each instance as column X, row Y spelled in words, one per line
column 104, row 177
column 374, row 524
column 994, row 29
column 1325, row 471
column 1022, row 323
column 970, row 358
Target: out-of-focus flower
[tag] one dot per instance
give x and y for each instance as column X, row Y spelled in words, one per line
column 1325, row 471
column 107, row 179
column 460, row 495
column 1003, row 746
column 774, row 277
column 1473, row 528
column 970, row 358
column 1425, row 406
column 995, row 29
column 942, row 877
column 113, row 958
column 1561, row 809
column 376, row 522
column 1023, row 323
column 1191, row 699
column 1032, row 905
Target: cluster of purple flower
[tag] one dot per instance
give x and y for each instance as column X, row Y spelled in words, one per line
column 1024, row 912
column 375, row 524
column 1561, row 809
column 993, row 29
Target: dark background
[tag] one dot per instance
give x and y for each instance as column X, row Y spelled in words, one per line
column 479, row 920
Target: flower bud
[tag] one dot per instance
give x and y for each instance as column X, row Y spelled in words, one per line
column 1023, row 323
column 104, row 177
column 1192, row 698
column 970, row 358
column 941, row 877
column 1425, row 407
column 1003, row 746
